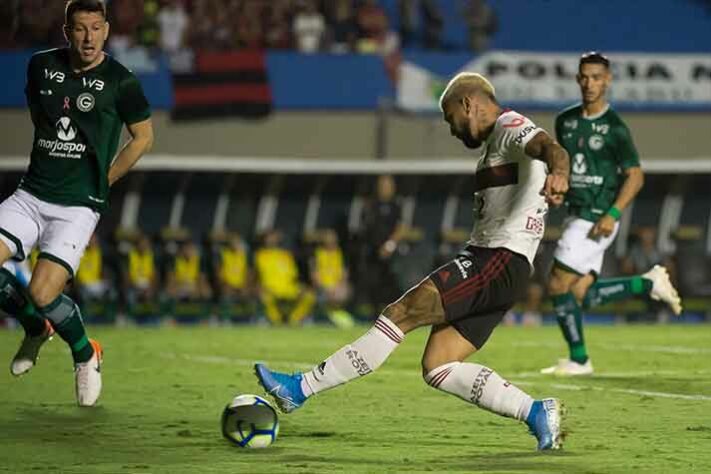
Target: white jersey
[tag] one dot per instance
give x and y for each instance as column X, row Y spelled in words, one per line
column 509, row 210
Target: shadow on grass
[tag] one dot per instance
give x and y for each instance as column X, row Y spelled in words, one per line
column 528, row 461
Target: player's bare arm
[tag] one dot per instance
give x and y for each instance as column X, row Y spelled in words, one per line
column 634, row 180
column 140, row 143
column 543, row 147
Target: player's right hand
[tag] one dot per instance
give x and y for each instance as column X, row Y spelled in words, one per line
column 554, row 189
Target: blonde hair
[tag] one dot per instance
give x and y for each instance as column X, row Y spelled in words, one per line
column 466, row 83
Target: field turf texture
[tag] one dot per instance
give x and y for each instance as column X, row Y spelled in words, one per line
column 647, row 409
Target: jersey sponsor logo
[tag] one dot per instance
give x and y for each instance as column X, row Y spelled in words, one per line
column 45, row 91
column 65, row 131
column 479, row 383
column 462, row 265
column 596, row 142
column 523, row 133
column 571, row 123
column 358, row 362
column 444, row 275
column 97, row 84
column 54, row 75
column 582, row 180
column 516, row 122
column 85, row 102
column 579, row 166
column 63, row 147
column 535, row 225
column 602, row 128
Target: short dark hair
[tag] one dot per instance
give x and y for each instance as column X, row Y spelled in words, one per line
column 593, row 57
column 91, row 6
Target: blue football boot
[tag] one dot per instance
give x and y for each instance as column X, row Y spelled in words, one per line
column 544, row 422
column 284, row 388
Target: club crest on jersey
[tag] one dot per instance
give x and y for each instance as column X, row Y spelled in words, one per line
column 596, row 142
column 85, row 102
column 579, row 166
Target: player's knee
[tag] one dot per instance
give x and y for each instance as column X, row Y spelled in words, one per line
column 580, row 287
column 557, row 285
column 42, row 295
column 420, row 306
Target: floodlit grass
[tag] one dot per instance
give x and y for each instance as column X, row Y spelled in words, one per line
column 647, row 409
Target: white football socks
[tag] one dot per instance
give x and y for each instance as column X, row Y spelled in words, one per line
column 356, row 359
column 481, row 386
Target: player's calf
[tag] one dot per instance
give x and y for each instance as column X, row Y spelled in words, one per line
column 483, row 387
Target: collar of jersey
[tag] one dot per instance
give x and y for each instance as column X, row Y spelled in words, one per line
column 597, row 115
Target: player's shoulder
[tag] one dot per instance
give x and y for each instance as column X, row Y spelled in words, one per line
column 614, row 118
column 48, row 57
column 116, row 69
column 572, row 111
column 510, row 120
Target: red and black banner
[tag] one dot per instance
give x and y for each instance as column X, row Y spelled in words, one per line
column 223, row 84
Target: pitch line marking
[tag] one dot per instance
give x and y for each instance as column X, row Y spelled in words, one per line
column 301, row 365
column 656, row 349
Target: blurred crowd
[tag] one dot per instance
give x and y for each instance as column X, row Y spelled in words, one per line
column 307, row 26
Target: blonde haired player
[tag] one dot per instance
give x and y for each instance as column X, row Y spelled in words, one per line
column 466, row 298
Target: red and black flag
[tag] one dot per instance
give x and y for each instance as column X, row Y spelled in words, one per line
column 223, row 84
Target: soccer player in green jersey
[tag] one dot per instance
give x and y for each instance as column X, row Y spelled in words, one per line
column 79, row 99
column 605, row 177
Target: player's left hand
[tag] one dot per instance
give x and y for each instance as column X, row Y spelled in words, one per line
column 555, row 188
column 603, row 227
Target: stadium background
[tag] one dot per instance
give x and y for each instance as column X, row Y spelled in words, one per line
column 254, row 132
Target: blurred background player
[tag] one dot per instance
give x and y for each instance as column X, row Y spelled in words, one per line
column 329, row 276
column 96, row 293
column 187, row 285
column 381, row 232
column 285, row 298
column 465, row 299
column 142, row 277
column 605, row 177
column 59, row 200
column 234, row 279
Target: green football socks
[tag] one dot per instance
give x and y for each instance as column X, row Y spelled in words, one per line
column 67, row 322
column 15, row 301
column 613, row 289
column 570, row 320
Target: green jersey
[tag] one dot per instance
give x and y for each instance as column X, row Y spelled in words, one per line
column 78, row 120
column 600, row 148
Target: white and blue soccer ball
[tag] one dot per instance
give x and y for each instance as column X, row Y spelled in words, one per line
column 249, row 421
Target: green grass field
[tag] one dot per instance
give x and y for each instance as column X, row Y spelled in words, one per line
column 647, row 410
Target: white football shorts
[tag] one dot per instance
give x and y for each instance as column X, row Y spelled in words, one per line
column 61, row 232
column 577, row 251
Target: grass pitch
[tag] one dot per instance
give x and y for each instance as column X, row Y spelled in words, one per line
column 647, row 409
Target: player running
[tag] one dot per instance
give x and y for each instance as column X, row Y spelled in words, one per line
column 605, row 177
column 79, row 99
column 467, row 297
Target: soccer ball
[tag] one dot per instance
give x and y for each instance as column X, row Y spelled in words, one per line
column 250, row 421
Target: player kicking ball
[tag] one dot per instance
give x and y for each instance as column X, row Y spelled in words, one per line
column 466, row 298
column 79, row 99
column 605, row 177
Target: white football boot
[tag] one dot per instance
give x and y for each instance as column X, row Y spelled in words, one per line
column 569, row 368
column 662, row 288
column 28, row 353
column 87, row 376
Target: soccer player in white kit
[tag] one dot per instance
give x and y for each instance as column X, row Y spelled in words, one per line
column 466, row 298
